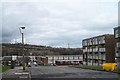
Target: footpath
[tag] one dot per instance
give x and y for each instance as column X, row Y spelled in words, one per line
column 17, row 74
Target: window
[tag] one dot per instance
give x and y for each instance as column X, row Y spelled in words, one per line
column 118, row 44
column 116, row 33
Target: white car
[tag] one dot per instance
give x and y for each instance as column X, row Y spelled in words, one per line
column 35, row 63
column 29, row 64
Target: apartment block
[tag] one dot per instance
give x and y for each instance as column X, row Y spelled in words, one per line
column 117, row 48
column 98, row 50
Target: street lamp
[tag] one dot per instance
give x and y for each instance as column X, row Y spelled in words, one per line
column 31, row 57
column 23, row 27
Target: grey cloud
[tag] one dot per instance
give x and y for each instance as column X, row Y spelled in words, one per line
column 55, row 23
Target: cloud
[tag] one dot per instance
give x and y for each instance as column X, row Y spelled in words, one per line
column 57, row 22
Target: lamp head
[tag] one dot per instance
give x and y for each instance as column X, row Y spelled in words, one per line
column 23, row 27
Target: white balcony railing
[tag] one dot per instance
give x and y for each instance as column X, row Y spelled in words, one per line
column 95, row 49
column 100, row 57
column 90, row 50
column 102, row 49
column 90, row 63
column 103, row 57
column 102, row 40
column 117, row 55
column 118, row 44
column 93, row 57
column 90, row 57
column 84, row 50
column 96, row 57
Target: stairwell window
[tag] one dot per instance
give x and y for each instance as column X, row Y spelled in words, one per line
column 116, row 33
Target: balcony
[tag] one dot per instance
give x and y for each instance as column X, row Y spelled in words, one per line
column 84, row 43
column 117, row 32
column 84, row 50
column 94, row 57
column 101, row 40
column 90, row 56
column 102, row 49
column 95, row 49
column 95, row 64
column 118, row 44
column 117, row 55
column 95, row 43
column 103, row 57
column 100, row 57
column 90, row 63
column 90, row 50
column 90, row 42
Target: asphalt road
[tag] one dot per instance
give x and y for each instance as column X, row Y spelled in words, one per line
column 68, row 72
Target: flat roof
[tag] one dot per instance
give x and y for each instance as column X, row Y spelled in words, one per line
column 99, row 36
column 117, row 27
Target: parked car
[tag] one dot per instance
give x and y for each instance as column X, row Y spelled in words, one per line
column 29, row 64
column 109, row 66
column 52, row 64
column 35, row 63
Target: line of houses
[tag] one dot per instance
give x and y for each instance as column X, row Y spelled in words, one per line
column 41, row 54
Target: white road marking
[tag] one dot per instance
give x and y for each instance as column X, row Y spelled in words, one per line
column 22, row 73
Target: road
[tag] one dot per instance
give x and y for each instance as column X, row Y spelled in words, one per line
column 68, row 72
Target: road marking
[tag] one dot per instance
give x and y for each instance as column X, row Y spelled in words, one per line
column 23, row 77
column 94, row 77
column 21, row 73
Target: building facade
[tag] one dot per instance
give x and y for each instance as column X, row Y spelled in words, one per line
column 117, row 48
column 98, row 50
column 60, row 59
column 65, row 59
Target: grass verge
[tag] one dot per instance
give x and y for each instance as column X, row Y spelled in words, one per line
column 4, row 68
column 99, row 68
column 117, row 71
column 90, row 67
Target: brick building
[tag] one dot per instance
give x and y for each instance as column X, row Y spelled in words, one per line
column 117, row 48
column 98, row 50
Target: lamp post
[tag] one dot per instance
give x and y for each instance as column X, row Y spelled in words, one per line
column 22, row 46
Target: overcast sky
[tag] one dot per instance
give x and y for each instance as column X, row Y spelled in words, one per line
column 57, row 23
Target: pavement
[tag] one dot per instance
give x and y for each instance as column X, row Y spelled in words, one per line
column 16, row 74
